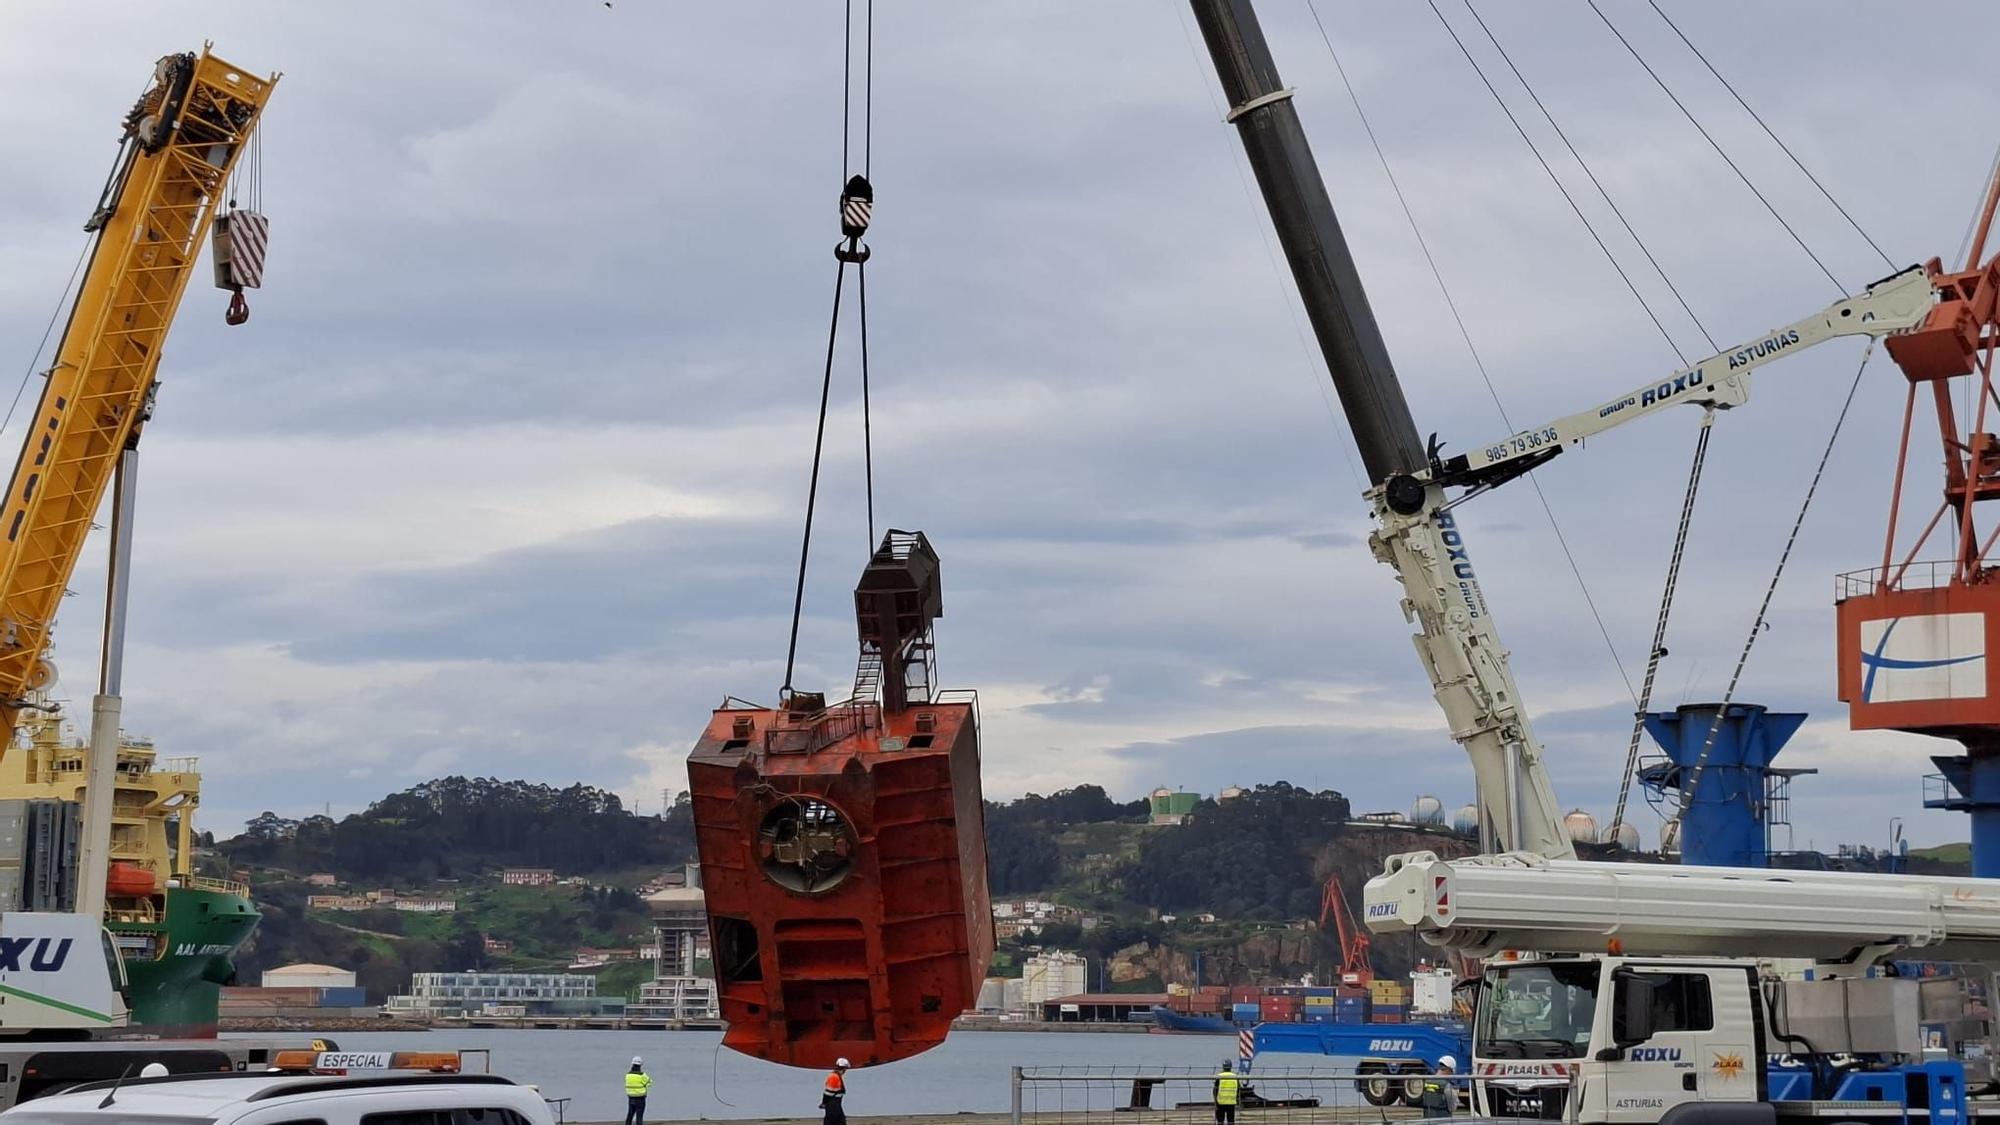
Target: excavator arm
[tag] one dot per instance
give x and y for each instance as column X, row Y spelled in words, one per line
column 181, row 141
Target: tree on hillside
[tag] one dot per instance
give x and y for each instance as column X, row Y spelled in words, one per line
column 1251, row 857
column 455, row 826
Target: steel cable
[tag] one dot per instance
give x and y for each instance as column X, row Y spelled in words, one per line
column 1757, row 626
column 1671, row 96
column 1787, row 149
column 1659, row 648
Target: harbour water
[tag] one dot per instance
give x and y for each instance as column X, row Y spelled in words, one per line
column 695, row 1077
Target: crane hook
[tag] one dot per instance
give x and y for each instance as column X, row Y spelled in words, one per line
column 239, row 309
column 857, row 206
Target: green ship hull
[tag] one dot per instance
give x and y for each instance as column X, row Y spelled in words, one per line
column 177, row 965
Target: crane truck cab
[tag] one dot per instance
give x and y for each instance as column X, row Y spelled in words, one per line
column 1714, row 1041
column 61, row 976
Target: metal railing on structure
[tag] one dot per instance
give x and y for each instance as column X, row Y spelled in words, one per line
column 1927, row 575
column 220, row 886
column 1129, row 1095
column 807, row 733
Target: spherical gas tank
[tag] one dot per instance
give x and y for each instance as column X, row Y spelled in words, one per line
column 1581, row 826
column 1427, row 810
column 1466, row 820
column 1625, row 836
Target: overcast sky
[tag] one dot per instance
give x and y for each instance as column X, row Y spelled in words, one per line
column 505, row 474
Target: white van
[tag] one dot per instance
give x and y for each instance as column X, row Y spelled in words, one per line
column 290, row 1099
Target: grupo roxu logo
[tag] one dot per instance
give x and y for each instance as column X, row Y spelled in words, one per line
column 1656, row 1054
column 33, row 955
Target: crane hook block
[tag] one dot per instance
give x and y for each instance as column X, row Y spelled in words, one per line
column 843, row 845
column 857, row 207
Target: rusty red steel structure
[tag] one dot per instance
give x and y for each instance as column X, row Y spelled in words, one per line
column 843, row 846
column 1914, row 635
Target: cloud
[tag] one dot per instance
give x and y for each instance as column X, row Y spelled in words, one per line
column 506, row 474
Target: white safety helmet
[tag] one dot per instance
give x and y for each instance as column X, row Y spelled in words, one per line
column 1448, row 1060
column 841, row 1064
column 637, row 1061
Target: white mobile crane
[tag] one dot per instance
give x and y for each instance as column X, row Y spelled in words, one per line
column 1646, row 1001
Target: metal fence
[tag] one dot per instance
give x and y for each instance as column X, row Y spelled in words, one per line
column 1271, row 1095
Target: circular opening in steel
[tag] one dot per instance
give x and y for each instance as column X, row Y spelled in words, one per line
column 806, row 845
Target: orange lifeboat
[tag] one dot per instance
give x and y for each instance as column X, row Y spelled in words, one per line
column 843, row 847
column 129, row 880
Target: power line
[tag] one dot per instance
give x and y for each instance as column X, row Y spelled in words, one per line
column 1886, row 260
column 1634, row 52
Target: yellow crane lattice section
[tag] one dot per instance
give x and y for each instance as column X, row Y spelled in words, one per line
column 181, row 142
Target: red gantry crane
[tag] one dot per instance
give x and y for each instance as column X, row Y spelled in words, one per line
column 1914, row 636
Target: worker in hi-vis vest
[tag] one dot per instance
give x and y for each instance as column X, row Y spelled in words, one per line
column 833, row 1098
column 1440, row 1096
column 1228, row 1091
column 637, row 1083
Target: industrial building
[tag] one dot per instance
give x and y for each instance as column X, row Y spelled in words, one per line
column 532, row 994
column 679, row 989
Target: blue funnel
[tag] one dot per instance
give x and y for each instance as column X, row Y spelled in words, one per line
column 1725, row 823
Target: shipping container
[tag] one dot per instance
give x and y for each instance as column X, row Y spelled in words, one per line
column 1244, row 1013
column 1320, row 1015
column 345, row 997
column 1386, row 1017
column 1318, row 990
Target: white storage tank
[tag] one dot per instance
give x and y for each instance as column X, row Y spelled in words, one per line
column 993, row 994
column 1466, row 820
column 1581, row 826
column 1427, row 810
column 1624, row 835
column 1014, row 995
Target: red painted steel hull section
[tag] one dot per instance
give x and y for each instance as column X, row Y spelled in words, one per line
column 885, row 940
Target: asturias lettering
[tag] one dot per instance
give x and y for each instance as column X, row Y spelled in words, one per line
column 1770, row 345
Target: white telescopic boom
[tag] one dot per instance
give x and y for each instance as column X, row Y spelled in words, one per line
column 1721, row 381
column 1527, row 902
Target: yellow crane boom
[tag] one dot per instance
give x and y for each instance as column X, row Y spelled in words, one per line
column 181, row 142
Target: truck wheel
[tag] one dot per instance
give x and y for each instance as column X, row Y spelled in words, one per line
column 1378, row 1089
column 1411, row 1087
